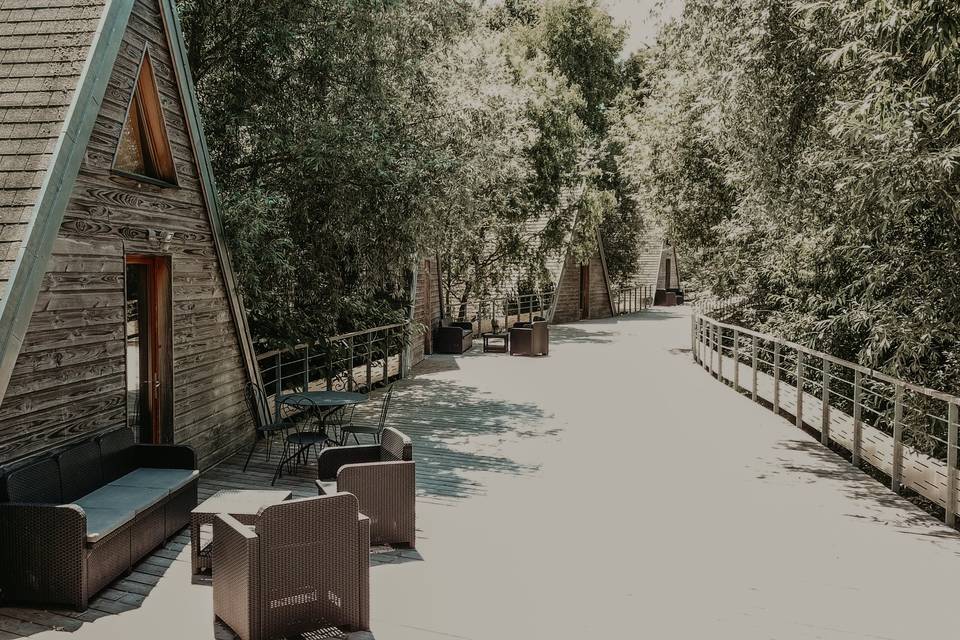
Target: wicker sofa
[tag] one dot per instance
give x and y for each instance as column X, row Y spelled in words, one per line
column 453, row 337
column 383, row 477
column 530, row 338
column 304, row 564
column 73, row 520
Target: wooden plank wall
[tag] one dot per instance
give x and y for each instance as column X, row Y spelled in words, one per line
column 70, row 376
column 567, row 307
column 599, row 295
column 426, row 309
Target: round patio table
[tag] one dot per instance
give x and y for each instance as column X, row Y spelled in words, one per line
column 323, row 403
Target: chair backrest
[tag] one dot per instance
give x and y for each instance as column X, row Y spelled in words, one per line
column 309, row 564
column 80, row 470
column 115, row 458
column 394, row 445
column 385, row 408
column 37, row 482
column 296, row 406
column 258, row 403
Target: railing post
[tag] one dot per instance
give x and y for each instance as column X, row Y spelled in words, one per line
column 736, row 360
column 857, row 416
column 350, row 366
column 306, row 368
column 329, row 365
column 386, row 354
column 693, row 336
column 710, row 330
column 897, row 471
column 400, row 361
column 369, row 361
column 719, row 353
column 825, row 402
column 950, row 500
column 277, row 386
column 799, row 389
column 754, row 363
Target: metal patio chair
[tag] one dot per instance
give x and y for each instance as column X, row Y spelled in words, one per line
column 257, row 399
column 375, row 431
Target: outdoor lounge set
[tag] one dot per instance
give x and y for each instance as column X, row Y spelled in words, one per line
column 75, row 519
column 521, row 339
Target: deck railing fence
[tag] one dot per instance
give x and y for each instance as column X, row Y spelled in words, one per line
column 633, row 299
column 907, row 432
column 353, row 361
column 500, row 312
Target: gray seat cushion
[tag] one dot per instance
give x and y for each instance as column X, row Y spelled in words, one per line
column 328, row 486
column 169, row 479
column 101, row 522
column 112, row 506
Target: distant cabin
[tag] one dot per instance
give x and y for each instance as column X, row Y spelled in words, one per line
column 118, row 305
column 658, row 267
column 582, row 289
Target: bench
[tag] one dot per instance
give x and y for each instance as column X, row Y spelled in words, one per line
column 75, row 519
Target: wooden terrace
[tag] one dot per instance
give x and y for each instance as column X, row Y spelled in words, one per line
column 585, row 495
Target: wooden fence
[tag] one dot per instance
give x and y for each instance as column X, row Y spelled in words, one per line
column 906, row 431
column 349, row 362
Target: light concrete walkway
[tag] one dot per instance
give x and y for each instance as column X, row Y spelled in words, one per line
column 614, row 490
column 663, row 505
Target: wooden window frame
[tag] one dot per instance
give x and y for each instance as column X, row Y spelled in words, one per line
column 150, row 110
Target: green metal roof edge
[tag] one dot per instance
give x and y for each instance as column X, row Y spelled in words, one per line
column 16, row 308
column 191, row 109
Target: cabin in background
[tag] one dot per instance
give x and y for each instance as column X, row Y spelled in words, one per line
column 582, row 290
column 118, row 304
column 658, row 267
column 425, row 312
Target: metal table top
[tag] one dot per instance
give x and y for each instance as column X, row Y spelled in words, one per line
column 322, row 399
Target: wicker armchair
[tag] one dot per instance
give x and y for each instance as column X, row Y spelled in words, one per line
column 530, row 338
column 304, row 566
column 383, row 477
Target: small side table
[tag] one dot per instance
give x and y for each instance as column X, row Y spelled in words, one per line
column 501, row 344
column 241, row 504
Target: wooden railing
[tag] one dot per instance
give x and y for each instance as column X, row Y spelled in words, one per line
column 633, row 299
column 905, row 431
column 348, row 362
column 500, row 312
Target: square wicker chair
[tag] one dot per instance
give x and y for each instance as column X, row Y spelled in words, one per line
column 383, row 477
column 303, row 566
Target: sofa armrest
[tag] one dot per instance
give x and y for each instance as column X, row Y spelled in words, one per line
column 164, row 456
column 332, row 458
column 236, row 581
column 42, row 554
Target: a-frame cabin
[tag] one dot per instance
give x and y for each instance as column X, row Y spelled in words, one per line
column 118, row 305
column 582, row 290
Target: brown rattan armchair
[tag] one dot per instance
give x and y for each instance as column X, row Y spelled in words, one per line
column 530, row 338
column 303, row 566
column 383, row 477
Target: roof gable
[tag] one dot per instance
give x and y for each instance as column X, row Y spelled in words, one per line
column 44, row 215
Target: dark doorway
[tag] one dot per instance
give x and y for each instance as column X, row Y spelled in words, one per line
column 584, row 291
column 669, row 280
column 149, row 348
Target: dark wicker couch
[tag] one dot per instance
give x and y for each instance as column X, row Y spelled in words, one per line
column 73, row 520
column 453, row 337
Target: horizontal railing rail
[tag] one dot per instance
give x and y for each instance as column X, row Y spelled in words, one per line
column 633, row 299
column 904, row 430
column 354, row 361
column 487, row 314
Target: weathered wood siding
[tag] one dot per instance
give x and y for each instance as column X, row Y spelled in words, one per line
column 668, row 253
column 426, row 310
column 567, row 307
column 599, row 295
column 70, row 376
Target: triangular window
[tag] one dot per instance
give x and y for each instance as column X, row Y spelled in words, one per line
column 144, row 148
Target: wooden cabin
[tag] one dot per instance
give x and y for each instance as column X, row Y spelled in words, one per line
column 118, row 305
column 658, row 268
column 425, row 311
column 582, row 290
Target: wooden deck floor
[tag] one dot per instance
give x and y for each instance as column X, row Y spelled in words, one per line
column 611, row 490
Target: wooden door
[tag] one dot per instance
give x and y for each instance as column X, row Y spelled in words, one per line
column 584, row 291
column 669, row 279
column 149, row 348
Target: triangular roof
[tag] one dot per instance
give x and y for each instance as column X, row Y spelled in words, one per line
column 71, row 46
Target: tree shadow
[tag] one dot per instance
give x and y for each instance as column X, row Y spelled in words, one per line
column 572, row 334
